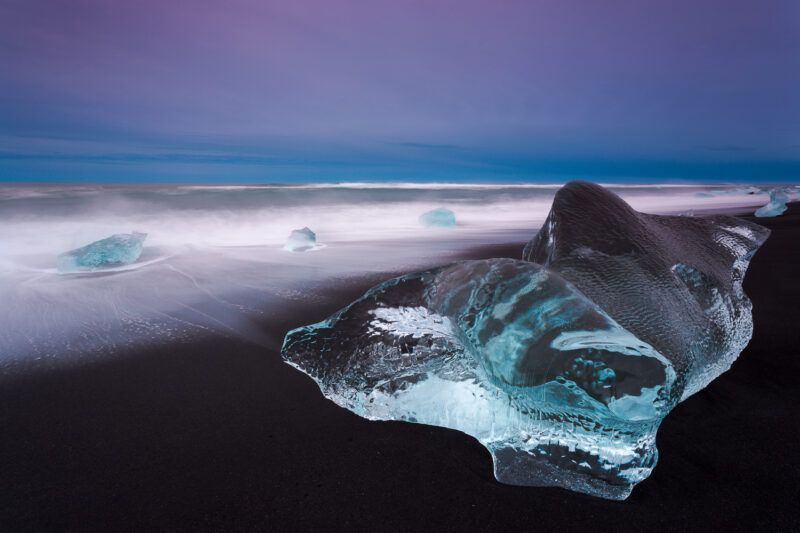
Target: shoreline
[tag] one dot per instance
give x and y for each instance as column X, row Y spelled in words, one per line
column 219, row 433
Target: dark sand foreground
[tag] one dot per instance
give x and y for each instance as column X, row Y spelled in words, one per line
column 221, row 435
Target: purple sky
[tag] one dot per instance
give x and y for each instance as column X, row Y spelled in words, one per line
column 336, row 90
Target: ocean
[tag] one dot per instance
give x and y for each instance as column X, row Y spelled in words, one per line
column 214, row 263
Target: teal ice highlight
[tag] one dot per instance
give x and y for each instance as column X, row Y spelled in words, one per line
column 562, row 364
column 117, row 250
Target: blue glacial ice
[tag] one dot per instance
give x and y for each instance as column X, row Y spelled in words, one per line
column 301, row 240
column 562, row 364
column 439, row 217
column 117, row 250
column 778, row 198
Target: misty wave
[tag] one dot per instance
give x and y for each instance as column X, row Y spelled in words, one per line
column 213, row 261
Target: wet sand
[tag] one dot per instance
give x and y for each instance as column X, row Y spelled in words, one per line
column 218, row 434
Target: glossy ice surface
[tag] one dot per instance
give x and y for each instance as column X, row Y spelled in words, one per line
column 675, row 282
column 562, row 364
column 117, row 250
column 301, row 240
column 776, row 205
column 441, row 217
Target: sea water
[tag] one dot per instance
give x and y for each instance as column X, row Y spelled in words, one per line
column 214, row 263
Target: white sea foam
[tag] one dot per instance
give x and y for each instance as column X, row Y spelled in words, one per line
column 213, row 255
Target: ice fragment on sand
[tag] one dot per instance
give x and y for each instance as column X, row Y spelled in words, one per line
column 301, row 240
column 440, row 217
column 117, row 250
column 505, row 351
column 562, row 367
column 776, row 205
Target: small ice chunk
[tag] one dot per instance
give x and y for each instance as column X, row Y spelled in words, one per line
column 119, row 249
column 301, row 240
column 703, row 195
column 439, row 217
column 776, row 204
column 689, row 213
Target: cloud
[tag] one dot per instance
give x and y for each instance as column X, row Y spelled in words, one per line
column 432, row 88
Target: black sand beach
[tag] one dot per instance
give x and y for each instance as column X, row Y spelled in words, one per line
column 221, row 435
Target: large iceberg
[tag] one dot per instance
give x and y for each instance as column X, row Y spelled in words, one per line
column 562, row 364
column 301, row 240
column 778, row 198
column 439, row 217
column 117, row 250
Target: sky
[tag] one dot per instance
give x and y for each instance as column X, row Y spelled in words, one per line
column 341, row 90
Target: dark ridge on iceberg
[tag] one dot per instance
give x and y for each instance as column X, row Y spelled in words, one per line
column 587, row 215
column 672, row 281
